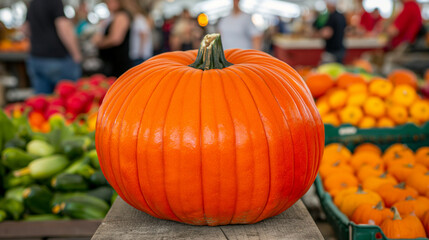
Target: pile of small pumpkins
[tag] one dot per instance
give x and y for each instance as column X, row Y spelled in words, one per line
column 379, row 102
column 389, row 189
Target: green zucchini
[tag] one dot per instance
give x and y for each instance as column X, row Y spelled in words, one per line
column 87, row 207
column 45, row 167
column 38, row 199
column 16, row 142
column 12, row 207
column 104, row 193
column 41, row 217
column 15, row 193
column 97, row 179
column 15, row 158
column 61, row 197
column 81, row 167
column 11, row 181
column 75, row 147
column 69, row 182
column 40, row 148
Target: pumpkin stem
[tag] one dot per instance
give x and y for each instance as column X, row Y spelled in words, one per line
column 360, row 189
column 396, row 215
column 400, row 185
column 336, row 163
column 427, row 173
column 211, row 55
column 397, row 155
column 409, row 198
column 377, row 167
column 384, row 175
column 379, row 206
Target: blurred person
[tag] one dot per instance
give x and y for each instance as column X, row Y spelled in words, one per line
column 81, row 18
column 406, row 26
column 141, row 46
column 238, row 31
column 369, row 21
column 333, row 33
column 185, row 34
column 113, row 39
column 54, row 53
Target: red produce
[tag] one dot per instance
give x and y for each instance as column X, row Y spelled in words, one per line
column 78, row 102
column 65, row 88
column 96, row 79
column 38, row 103
column 56, row 102
column 425, row 90
column 52, row 109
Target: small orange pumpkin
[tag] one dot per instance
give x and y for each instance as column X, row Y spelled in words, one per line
column 323, row 107
column 368, row 147
column 357, row 88
column 368, row 171
column 337, row 99
column 365, row 158
column 397, row 148
column 331, row 118
column 405, row 156
column 404, row 95
column 385, row 122
column 417, row 206
column 419, row 181
column 407, row 227
column 351, row 114
column 352, row 200
column 403, row 76
column 357, row 99
column 392, row 193
column 422, row 156
column 374, row 107
column 328, row 169
column 347, row 79
column 420, row 111
column 319, row 83
column 339, row 181
column 380, row 87
column 371, row 214
column 426, row 222
column 402, row 171
column 339, row 148
column 367, row 122
column 398, row 114
column 373, row 183
column 339, row 196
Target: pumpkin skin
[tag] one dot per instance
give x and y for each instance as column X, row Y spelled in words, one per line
column 392, row 194
column 398, row 114
column 353, row 200
column 351, row 115
column 380, row 87
column 417, row 206
column 404, row 95
column 422, row 156
column 408, row 227
column 368, row 147
column 426, row 222
column 210, row 147
column 373, row 183
column 319, row 83
column 403, row 76
column 347, row 79
column 374, row 107
column 420, row 111
column 368, row 171
column 365, row 158
column 340, row 181
column 371, row 214
column 402, row 171
column 367, row 122
column 419, row 181
column 339, row 167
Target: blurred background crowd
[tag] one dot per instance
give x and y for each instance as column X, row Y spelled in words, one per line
column 55, row 39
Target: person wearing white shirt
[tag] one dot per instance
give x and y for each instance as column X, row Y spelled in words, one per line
column 238, row 31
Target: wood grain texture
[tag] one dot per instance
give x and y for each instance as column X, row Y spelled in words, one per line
column 125, row 222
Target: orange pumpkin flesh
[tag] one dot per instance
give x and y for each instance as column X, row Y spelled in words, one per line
column 371, row 214
column 211, row 144
column 407, row 227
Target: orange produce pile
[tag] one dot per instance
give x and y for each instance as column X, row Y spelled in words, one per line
column 377, row 103
column 387, row 189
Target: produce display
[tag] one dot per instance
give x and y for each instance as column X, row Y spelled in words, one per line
column 210, row 147
column 367, row 101
column 389, row 189
column 49, row 167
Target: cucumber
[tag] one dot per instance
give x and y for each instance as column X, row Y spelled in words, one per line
column 38, row 199
column 45, row 167
column 69, row 182
column 15, row 193
column 41, row 217
column 75, row 147
column 16, row 142
column 12, row 207
column 85, row 207
column 3, row 215
column 15, row 158
column 10, row 181
column 93, row 157
column 81, row 167
column 61, row 197
column 104, row 193
column 97, row 179
column 40, row 148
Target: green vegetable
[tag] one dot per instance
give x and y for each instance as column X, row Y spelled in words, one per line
column 12, row 207
column 39, row 137
column 3, row 215
column 11, row 181
column 15, row 193
column 69, row 182
column 75, row 147
column 93, row 157
column 114, row 196
column 61, row 197
column 16, row 142
column 85, row 207
column 97, row 179
column 44, row 167
column 40, row 148
column 81, row 167
column 104, row 193
column 7, row 129
column 38, row 199
column 41, row 217
column 15, row 158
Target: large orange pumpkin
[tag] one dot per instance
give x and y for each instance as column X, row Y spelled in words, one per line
column 210, row 139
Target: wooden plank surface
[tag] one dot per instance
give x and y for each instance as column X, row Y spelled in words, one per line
column 48, row 229
column 125, row 222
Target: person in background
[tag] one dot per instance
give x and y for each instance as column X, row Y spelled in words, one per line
column 369, row 21
column 81, row 18
column 185, row 34
column 406, row 25
column 55, row 53
column 113, row 39
column 333, row 33
column 238, row 31
column 141, row 47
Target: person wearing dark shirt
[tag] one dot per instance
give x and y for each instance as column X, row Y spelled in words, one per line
column 113, row 39
column 333, row 33
column 55, row 53
column 406, row 25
